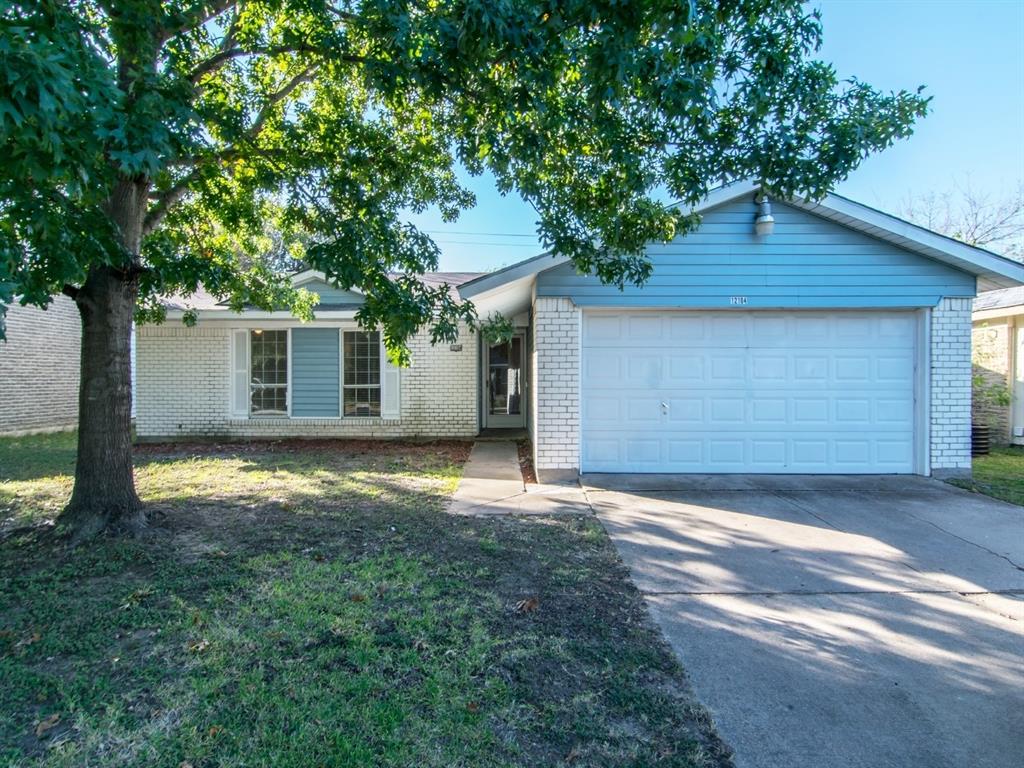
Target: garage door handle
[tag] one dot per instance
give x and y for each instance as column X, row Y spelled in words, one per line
column 664, row 407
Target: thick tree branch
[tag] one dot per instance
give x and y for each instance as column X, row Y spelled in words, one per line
column 305, row 76
column 201, row 13
column 169, row 198
column 223, row 56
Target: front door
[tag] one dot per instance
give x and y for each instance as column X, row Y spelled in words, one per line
column 504, row 384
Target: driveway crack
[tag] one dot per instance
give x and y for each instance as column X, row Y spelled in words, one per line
column 806, row 510
column 967, row 541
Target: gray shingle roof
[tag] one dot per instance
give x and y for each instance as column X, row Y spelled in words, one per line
column 1004, row 297
column 202, row 300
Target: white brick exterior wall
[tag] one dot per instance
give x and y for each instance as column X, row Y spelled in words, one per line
column 951, row 387
column 555, row 420
column 39, row 369
column 184, row 381
column 555, row 417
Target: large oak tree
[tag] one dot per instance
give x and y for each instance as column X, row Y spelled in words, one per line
column 148, row 145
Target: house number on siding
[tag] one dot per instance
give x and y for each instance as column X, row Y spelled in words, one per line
column 737, row 300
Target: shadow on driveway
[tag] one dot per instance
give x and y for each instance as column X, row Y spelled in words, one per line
column 846, row 621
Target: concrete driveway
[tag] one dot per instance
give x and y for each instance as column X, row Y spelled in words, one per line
column 835, row 622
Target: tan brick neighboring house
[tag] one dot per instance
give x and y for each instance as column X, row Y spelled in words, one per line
column 997, row 338
column 39, row 368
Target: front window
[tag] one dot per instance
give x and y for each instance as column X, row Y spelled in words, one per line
column 362, row 373
column 268, row 373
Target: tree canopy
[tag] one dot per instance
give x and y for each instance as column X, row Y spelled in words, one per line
column 331, row 120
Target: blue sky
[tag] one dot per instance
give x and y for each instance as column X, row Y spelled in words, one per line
column 970, row 57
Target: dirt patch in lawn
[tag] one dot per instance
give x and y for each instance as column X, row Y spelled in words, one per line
column 307, row 603
column 525, row 449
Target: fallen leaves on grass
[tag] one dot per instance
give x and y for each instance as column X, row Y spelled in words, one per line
column 136, row 597
column 528, row 605
column 35, row 637
column 44, row 726
column 199, row 646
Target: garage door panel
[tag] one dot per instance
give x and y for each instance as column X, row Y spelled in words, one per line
column 720, row 453
column 643, row 369
column 749, row 392
column 687, row 410
column 884, row 410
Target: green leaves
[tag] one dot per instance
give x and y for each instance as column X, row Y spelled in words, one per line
column 329, row 121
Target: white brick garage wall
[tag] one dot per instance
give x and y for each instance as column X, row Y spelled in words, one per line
column 555, row 409
column 183, row 384
column 951, row 388
column 39, row 368
column 555, row 419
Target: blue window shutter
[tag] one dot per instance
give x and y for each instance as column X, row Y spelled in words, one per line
column 316, row 383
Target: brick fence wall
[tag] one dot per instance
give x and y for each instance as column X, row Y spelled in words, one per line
column 39, row 368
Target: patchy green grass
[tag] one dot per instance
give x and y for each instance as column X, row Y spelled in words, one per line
column 312, row 604
column 1000, row 475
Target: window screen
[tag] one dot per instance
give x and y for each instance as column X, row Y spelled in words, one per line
column 362, row 373
column 268, row 373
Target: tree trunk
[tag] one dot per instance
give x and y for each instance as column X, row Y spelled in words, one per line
column 104, row 498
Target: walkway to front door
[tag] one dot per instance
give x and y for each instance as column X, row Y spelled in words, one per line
column 492, row 484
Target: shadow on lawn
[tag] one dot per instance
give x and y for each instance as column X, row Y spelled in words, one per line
column 294, row 607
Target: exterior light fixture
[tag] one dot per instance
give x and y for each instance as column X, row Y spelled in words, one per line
column 764, row 222
column 257, row 331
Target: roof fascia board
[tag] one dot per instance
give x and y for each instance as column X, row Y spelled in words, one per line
column 984, row 262
column 997, row 313
column 312, row 275
column 531, row 266
column 226, row 315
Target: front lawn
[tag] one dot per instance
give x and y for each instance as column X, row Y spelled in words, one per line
column 311, row 604
column 1000, row 475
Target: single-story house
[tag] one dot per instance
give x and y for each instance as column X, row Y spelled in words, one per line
column 820, row 337
column 39, row 368
column 998, row 354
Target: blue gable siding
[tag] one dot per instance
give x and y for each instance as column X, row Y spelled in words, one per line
column 315, row 378
column 808, row 262
column 330, row 294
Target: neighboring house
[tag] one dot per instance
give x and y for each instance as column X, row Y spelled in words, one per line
column 998, row 354
column 839, row 343
column 39, row 368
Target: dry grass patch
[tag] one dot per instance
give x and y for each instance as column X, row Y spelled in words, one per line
column 304, row 604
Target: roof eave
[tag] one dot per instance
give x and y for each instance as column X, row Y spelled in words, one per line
column 247, row 315
column 991, row 266
column 495, row 280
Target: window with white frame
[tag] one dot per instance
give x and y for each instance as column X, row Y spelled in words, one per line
column 361, row 366
column 268, row 373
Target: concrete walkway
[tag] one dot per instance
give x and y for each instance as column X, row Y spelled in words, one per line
column 848, row 622
column 492, row 484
